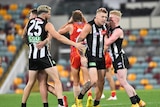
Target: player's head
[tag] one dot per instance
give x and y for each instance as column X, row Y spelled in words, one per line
column 101, row 16
column 77, row 16
column 115, row 16
column 33, row 13
column 44, row 10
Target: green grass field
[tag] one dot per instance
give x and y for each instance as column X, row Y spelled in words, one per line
column 151, row 97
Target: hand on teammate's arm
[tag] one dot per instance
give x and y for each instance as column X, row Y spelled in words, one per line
column 41, row 44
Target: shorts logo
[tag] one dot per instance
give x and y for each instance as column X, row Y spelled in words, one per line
column 92, row 64
column 119, row 64
column 53, row 62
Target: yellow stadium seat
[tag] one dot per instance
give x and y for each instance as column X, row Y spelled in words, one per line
column 153, row 64
column 121, row 88
column 18, row 26
column 64, row 73
column 19, row 29
column 132, row 60
column 17, row 81
column 19, row 91
column 3, row 12
column 60, row 67
column 125, row 43
column 132, row 38
column 12, row 49
column 26, row 11
column 148, row 87
column 131, row 77
column 143, row 32
column 20, row 32
column 10, row 38
column 13, row 7
column 117, row 83
column 7, row 17
column 1, row 71
column 144, row 82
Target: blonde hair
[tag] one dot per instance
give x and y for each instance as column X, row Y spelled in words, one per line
column 102, row 9
column 43, row 9
column 116, row 12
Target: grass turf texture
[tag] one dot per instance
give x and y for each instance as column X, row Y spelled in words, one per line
column 151, row 97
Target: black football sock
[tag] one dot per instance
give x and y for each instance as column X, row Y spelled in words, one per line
column 137, row 98
column 96, row 102
column 23, row 105
column 80, row 96
column 60, row 101
column 45, row 104
column 133, row 100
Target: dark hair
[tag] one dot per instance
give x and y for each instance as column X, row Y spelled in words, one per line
column 77, row 16
column 34, row 11
column 42, row 11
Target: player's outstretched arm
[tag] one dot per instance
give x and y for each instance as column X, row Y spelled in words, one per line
column 50, row 28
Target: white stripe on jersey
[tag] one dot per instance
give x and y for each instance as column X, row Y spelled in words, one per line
column 101, row 44
column 35, row 51
column 115, row 50
column 50, row 60
column 94, row 44
column 30, row 48
column 123, row 61
column 42, row 52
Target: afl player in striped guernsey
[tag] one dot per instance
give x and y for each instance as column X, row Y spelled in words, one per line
column 42, row 77
column 94, row 32
column 119, row 59
column 37, row 30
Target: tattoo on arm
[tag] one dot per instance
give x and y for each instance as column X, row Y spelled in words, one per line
column 86, row 87
column 25, row 40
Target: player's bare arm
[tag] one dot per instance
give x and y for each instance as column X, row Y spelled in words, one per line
column 24, row 34
column 66, row 29
column 50, row 28
column 118, row 33
column 85, row 31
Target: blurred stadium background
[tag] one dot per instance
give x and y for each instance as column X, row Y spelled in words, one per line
column 141, row 23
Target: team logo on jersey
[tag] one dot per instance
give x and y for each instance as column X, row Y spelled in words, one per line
column 97, row 33
column 103, row 32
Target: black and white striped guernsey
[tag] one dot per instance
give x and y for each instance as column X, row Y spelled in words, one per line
column 35, row 33
column 95, row 40
column 116, row 47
